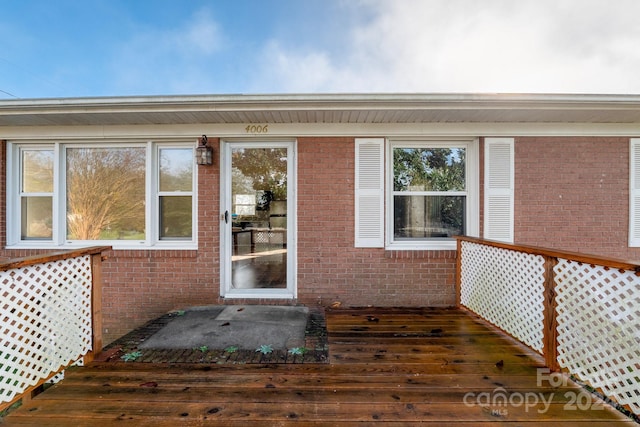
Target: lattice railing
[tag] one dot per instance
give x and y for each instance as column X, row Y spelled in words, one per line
column 496, row 271
column 599, row 328
column 46, row 320
column 581, row 312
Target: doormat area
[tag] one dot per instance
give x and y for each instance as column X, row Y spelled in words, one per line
column 227, row 334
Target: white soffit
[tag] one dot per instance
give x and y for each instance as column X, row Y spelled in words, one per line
column 322, row 109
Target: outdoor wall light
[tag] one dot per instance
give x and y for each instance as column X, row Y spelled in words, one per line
column 204, row 153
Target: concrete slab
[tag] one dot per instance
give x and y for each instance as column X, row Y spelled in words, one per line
column 245, row 326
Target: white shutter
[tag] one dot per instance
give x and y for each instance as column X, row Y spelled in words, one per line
column 634, row 193
column 499, row 189
column 369, row 192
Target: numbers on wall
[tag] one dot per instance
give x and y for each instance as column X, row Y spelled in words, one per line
column 257, row 129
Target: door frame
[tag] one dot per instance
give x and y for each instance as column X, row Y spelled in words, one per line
column 226, row 245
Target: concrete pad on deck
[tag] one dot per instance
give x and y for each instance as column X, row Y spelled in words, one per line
column 245, row 326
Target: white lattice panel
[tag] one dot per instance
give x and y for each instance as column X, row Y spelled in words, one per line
column 506, row 288
column 599, row 328
column 45, row 317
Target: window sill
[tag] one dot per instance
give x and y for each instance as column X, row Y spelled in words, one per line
column 423, row 246
column 115, row 246
column 283, row 294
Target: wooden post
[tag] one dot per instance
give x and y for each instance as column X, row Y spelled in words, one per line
column 550, row 328
column 458, row 271
column 96, row 307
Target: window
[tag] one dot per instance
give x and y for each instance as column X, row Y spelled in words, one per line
column 432, row 193
column 36, row 194
column 105, row 193
column 429, row 194
column 125, row 195
column 175, row 193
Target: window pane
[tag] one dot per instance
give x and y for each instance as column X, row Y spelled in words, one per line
column 420, row 217
column 37, row 171
column 106, row 193
column 37, row 218
column 176, row 169
column 428, row 169
column 175, row 217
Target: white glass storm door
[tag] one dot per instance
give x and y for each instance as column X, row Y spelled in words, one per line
column 258, row 220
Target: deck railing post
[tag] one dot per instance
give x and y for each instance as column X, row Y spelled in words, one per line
column 550, row 329
column 458, row 270
column 96, row 307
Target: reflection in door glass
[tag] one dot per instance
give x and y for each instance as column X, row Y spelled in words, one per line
column 259, row 218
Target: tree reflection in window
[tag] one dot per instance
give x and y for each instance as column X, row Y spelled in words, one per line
column 175, row 187
column 36, row 194
column 429, row 187
column 105, row 193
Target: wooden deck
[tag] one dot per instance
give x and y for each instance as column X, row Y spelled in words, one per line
column 391, row 366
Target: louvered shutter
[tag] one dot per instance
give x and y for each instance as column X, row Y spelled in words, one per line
column 634, row 192
column 498, row 189
column 369, row 193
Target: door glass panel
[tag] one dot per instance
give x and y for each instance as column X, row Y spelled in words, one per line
column 259, row 218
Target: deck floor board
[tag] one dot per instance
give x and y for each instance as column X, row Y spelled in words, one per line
column 388, row 366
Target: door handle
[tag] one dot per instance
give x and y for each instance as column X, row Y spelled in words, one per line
column 226, row 217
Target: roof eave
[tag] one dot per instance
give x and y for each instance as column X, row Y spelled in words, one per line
column 574, row 106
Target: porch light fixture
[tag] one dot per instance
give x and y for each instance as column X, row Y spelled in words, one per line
column 204, row 153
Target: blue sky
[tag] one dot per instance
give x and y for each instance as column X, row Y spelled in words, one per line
column 83, row 48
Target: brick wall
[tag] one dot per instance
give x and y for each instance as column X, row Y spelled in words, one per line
column 329, row 267
column 572, row 193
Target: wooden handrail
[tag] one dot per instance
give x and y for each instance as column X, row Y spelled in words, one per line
column 553, row 253
column 51, row 256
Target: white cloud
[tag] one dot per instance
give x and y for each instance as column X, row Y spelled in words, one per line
column 169, row 60
column 302, row 72
column 201, row 36
column 471, row 46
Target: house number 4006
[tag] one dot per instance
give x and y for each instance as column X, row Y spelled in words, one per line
column 257, row 129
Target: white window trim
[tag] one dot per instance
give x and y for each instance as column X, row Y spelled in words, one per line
column 472, row 192
column 59, row 241
column 13, row 201
column 155, row 193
